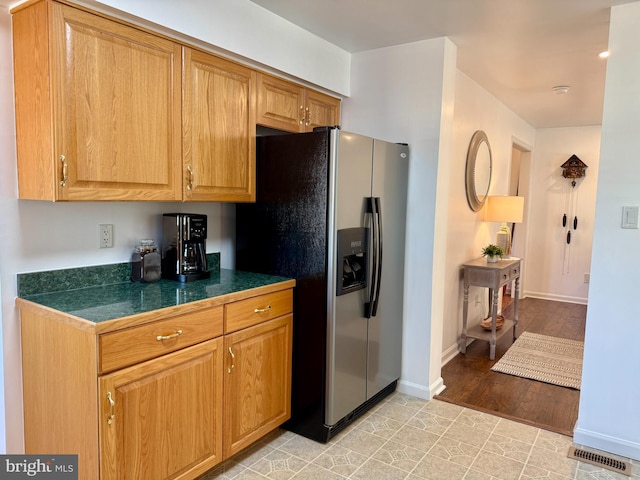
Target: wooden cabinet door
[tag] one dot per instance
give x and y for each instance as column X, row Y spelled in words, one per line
column 257, row 384
column 162, row 419
column 321, row 110
column 218, row 129
column 293, row 108
column 116, row 110
column 280, row 104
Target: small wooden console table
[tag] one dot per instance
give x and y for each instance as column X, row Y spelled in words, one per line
column 493, row 276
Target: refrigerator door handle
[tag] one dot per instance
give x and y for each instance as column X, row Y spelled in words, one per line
column 378, row 215
column 371, row 209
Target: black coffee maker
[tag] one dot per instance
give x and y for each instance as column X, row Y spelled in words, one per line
column 183, row 246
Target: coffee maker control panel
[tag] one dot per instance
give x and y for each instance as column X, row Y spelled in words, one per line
column 195, row 228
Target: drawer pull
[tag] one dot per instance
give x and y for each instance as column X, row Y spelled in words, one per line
column 112, row 404
column 233, row 360
column 262, row 310
column 169, row 337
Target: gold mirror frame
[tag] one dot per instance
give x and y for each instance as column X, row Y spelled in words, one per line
column 478, row 170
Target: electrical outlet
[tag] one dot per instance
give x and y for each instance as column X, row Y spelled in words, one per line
column 106, row 235
column 586, row 277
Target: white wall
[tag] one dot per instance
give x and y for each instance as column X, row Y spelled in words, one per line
column 247, row 30
column 10, row 349
column 7, row 155
column 555, row 269
column 405, row 94
column 466, row 233
column 608, row 416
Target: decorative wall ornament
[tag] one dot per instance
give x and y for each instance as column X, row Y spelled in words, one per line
column 478, row 170
column 573, row 169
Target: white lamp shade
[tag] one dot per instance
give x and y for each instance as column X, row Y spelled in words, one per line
column 504, row 209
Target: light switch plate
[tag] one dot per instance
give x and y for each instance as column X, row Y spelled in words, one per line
column 630, row 217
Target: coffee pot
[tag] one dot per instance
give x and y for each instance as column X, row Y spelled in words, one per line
column 193, row 258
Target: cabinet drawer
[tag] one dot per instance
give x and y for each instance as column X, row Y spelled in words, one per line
column 510, row 273
column 133, row 345
column 514, row 272
column 245, row 313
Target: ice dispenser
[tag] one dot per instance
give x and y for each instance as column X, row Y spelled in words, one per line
column 352, row 260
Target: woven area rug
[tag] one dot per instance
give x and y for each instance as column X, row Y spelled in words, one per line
column 544, row 358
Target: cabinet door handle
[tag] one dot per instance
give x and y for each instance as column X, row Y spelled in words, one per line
column 308, row 116
column 169, row 337
column 112, row 405
column 65, row 171
column 233, row 360
column 190, row 181
column 301, row 114
column 262, row 310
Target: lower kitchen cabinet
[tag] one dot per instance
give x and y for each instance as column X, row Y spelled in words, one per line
column 163, row 395
column 163, row 418
column 257, row 382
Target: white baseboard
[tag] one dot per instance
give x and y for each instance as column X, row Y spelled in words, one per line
column 421, row 391
column 556, row 298
column 437, row 387
column 449, row 354
column 613, row 445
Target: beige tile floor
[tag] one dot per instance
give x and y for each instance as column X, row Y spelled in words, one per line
column 407, row 438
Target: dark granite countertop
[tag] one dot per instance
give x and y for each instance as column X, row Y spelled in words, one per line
column 102, row 302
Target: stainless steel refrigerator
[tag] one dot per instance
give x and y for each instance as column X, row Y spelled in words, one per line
column 330, row 212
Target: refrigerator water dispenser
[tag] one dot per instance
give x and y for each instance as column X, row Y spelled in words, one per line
column 352, row 260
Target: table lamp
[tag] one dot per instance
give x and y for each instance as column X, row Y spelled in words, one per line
column 505, row 210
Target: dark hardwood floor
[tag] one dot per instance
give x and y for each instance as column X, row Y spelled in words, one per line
column 471, row 383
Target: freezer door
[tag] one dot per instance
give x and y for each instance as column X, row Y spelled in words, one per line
column 390, row 179
column 349, row 186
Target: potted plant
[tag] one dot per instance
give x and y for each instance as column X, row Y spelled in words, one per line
column 492, row 252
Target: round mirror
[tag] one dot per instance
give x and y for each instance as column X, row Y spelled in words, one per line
column 478, row 172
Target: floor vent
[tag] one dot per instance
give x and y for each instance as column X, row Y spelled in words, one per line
column 598, row 460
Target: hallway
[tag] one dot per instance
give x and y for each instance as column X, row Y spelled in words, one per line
column 471, row 383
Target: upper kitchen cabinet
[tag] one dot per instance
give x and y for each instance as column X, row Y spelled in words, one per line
column 98, row 106
column 293, row 108
column 219, row 121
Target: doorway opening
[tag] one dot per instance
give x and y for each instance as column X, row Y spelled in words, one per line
column 469, row 378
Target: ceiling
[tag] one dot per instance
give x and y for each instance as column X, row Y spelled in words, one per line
column 518, row 50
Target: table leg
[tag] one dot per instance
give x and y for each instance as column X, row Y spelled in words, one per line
column 462, row 344
column 494, row 319
column 515, row 307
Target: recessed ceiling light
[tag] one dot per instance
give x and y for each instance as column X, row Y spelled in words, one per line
column 604, row 54
column 560, row 89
